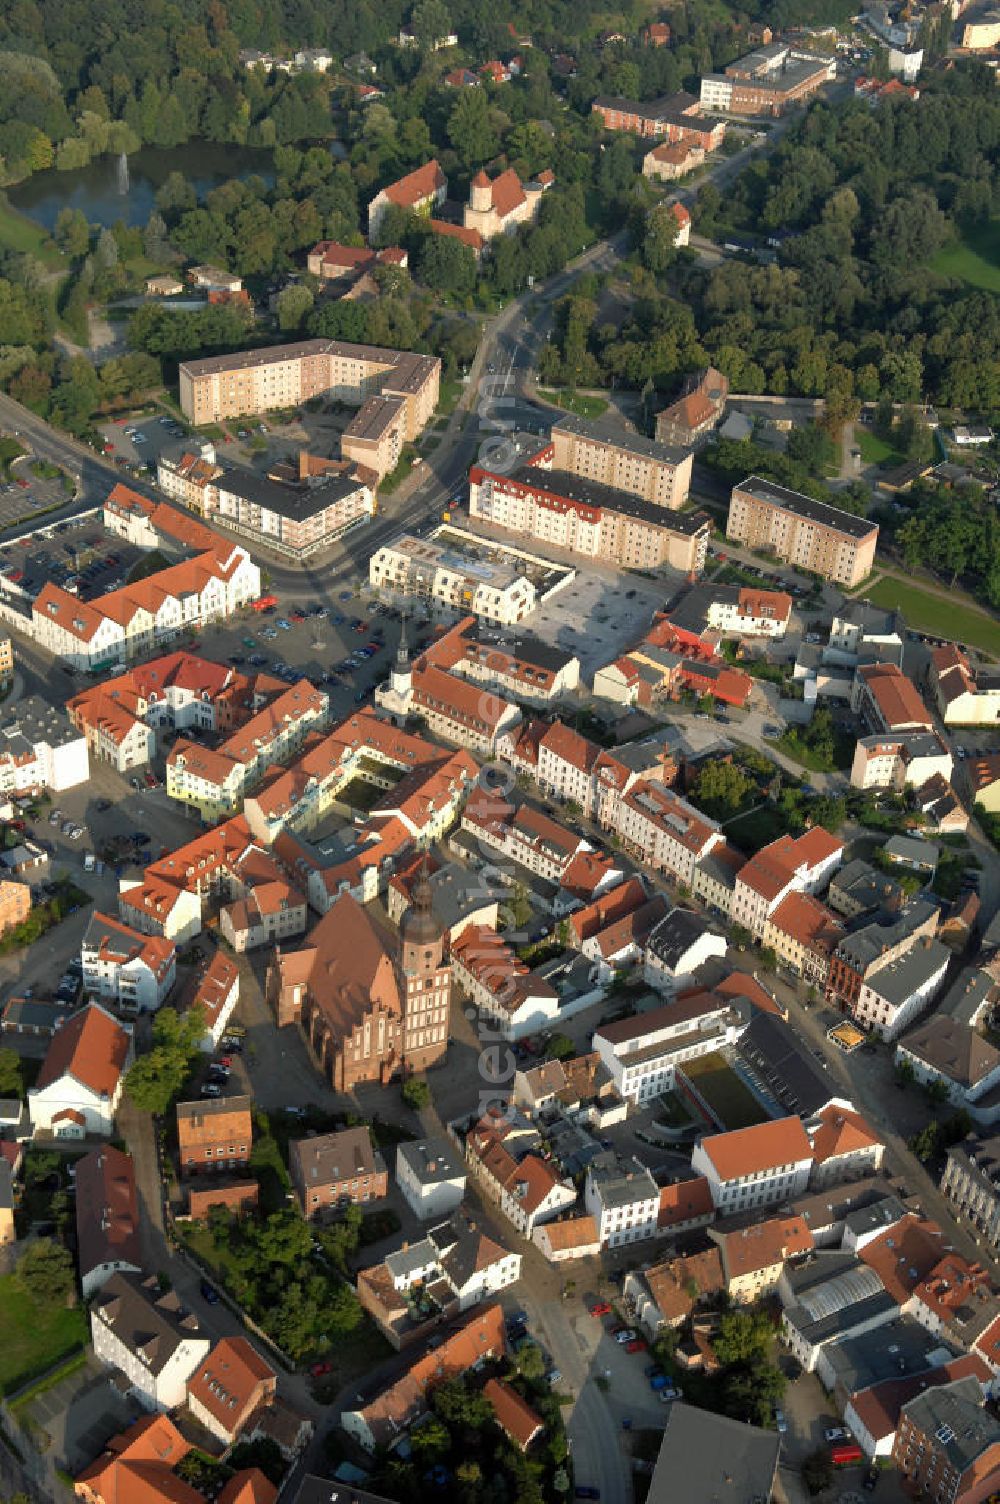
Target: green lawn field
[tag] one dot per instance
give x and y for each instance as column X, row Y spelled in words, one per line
column 938, row 615
column 575, row 402
column 975, row 258
column 34, row 1336
column 19, row 233
column 875, row 451
column 724, row 1092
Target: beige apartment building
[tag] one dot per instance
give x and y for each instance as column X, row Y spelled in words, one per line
column 376, row 434
column 657, row 473
column 282, row 376
column 806, row 533
column 6, row 657
column 589, row 519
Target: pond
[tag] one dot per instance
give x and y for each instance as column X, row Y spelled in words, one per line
column 101, row 192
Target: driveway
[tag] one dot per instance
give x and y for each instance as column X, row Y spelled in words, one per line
column 81, row 1413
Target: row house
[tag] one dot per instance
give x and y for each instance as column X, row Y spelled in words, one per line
column 754, row 1254
column 803, row 934
column 229, row 1387
column 971, row 1181
column 130, row 622
column 215, row 991
column 663, row 830
column 681, row 943
column 528, row 1190
column 623, row 942
column 524, row 835
column 134, row 972
column 272, row 912
column 755, row 1167
column 605, row 909
column 866, row 950
column 516, row 1001
column 892, row 997
column 668, row 1294
column 624, row 1202
column 800, row 864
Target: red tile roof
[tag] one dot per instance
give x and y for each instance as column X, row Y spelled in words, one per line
column 416, row 186
column 512, row 1414
column 745, row 1151
column 92, row 1047
column 469, row 237
column 684, row 1201
column 841, row 1131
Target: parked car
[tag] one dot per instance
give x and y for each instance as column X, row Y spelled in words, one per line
column 209, row 1293
column 211, row 1089
column 836, row 1433
column 780, row 1421
column 637, row 1345
column 623, row 1334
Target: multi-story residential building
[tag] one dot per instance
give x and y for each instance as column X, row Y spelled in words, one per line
column 670, row 161
column 189, row 477
column 455, row 710
column 900, row 761
column 947, row 1445
column 430, row 1175
column 40, row 748
column 800, row 864
column 755, row 1167
column 214, row 1135
column 624, row 1202
column 6, row 657
column 454, row 1267
column 809, row 534
column 865, row 951
column 971, row 1181
column 132, row 621
column 676, row 119
column 229, row 1387
column 516, row 1001
column 946, row 1050
column 525, row 835
column 891, row 997
column 527, row 670
column 335, row 1170
column 80, row 1084
column 643, row 1054
column 107, row 1217
column 677, row 947
column 733, row 610
column 270, row 913
column 375, row 436
column 663, row 830
column 964, row 696
column 888, row 702
column 134, row 972
column 214, row 780
column 296, row 517
column 657, row 473
column 696, row 412
column 149, row 1337
column 714, row 878
column 767, row 81
column 858, row 628
column 528, row 1190
column 859, row 888
column 215, row 991
column 413, row 568
column 282, row 376
column 803, row 934
column 420, row 192
column 588, row 518
column 754, row 1254
column 371, row 1006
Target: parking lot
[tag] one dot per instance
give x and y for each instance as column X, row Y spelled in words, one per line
column 81, row 1413
column 26, row 492
column 79, row 555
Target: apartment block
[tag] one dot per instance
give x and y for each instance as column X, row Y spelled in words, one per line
column 808, row 534
column 971, row 1181
column 413, row 568
column 295, row 516
column 590, row 518
column 132, row 971
column 624, row 1201
column 657, row 473
column 282, row 376
column 40, row 749
column 643, row 1054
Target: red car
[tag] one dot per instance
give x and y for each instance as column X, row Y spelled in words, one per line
column 637, row 1345
column 150, row 780
column 297, row 615
column 226, row 1060
column 107, row 448
column 599, row 1308
column 319, row 1369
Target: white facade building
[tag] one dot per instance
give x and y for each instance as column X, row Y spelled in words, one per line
column 430, row 1175
column 624, row 1202
column 755, row 1167
column 41, row 749
column 148, row 1337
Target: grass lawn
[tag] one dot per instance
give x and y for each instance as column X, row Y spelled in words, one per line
column 724, row 1091
column 798, row 751
column 448, row 396
column 875, row 451
column 34, row 1336
column 975, row 258
column 395, row 478
column 575, row 402
column 19, row 233
column 941, row 616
